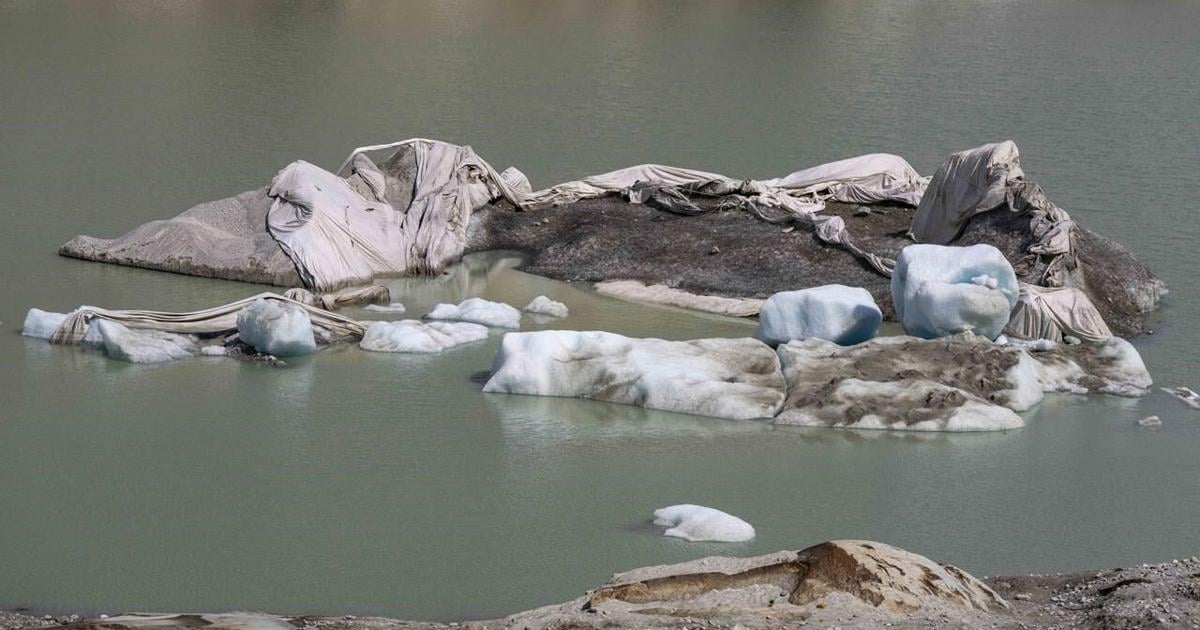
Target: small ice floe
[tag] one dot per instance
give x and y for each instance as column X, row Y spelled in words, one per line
column 478, row 311
column 542, row 305
column 41, row 324
column 1189, row 397
column 696, row 523
column 142, row 346
column 1150, row 421
column 214, row 351
column 279, row 329
column 837, row 313
column 394, row 307
column 940, row 290
column 410, row 335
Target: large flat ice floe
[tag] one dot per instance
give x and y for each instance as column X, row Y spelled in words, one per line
column 478, row 311
column 696, row 523
column 834, row 312
column 940, row 291
column 279, row 329
column 961, row 383
column 738, row 379
column 414, row 336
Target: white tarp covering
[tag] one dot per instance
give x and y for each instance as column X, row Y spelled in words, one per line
column 1055, row 312
column 340, row 233
column 968, row 183
column 338, row 236
column 874, row 177
column 870, row 178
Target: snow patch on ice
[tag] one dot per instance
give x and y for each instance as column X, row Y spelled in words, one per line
column 985, row 280
column 282, row 330
column 410, row 335
column 697, row 523
column 841, row 314
column 941, row 290
column 142, row 346
column 542, row 305
column 478, row 311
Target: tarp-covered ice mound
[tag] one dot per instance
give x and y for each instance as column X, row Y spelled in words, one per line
column 762, row 249
column 409, row 212
column 79, row 326
column 422, row 204
column 224, row 239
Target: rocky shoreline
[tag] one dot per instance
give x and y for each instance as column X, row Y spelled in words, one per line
column 843, row 584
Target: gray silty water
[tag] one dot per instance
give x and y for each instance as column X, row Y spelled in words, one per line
column 365, row 483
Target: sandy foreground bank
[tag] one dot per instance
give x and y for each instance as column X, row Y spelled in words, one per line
column 840, row 591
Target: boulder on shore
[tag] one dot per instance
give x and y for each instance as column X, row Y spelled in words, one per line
column 871, row 582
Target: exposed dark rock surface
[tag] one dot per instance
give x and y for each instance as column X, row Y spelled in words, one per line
column 732, row 253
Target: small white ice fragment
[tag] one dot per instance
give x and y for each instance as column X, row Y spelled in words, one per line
column 394, row 307
column 697, row 523
column 478, row 311
column 410, row 335
column 1189, row 397
column 542, row 305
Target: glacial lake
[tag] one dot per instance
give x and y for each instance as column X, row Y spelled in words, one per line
column 359, row 483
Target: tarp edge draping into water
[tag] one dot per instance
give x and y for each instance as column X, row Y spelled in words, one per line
column 211, row 321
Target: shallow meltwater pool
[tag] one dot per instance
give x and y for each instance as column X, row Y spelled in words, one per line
column 361, row 483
